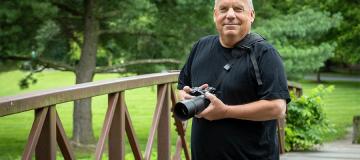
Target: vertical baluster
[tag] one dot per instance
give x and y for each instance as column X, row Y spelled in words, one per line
column 164, row 127
column 46, row 147
column 40, row 115
column 117, row 131
column 112, row 102
column 155, row 122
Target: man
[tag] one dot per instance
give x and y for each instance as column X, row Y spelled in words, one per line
column 240, row 121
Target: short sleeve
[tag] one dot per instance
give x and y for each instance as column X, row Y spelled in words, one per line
column 273, row 76
column 185, row 73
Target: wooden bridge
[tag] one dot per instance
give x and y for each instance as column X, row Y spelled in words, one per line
column 47, row 131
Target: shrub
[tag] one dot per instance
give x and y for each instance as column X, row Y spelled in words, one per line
column 306, row 121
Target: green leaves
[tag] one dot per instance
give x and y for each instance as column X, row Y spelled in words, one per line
column 306, row 121
column 298, row 38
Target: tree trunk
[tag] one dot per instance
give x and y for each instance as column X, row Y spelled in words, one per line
column 82, row 117
column 318, row 77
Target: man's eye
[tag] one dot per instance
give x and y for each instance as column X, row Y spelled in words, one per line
column 223, row 9
column 239, row 9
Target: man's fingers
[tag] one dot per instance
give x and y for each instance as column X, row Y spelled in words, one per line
column 188, row 96
column 204, row 112
column 204, row 86
column 187, row 89
column 210, row 96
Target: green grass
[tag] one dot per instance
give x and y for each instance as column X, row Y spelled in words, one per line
column 14, row 129
column 340, row 107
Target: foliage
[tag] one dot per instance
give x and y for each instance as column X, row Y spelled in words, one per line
column 128, row 30
column 300, row 45
column 72, row 35
column 306, row 122
column 346, row 35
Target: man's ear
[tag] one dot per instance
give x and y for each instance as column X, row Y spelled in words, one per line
column 214, row 15
column 252, row 14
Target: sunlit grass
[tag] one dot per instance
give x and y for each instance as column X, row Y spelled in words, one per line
column 340, row 106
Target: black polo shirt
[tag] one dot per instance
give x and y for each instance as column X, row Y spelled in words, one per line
column 233, row 139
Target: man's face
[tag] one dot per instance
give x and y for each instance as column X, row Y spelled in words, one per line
column 233, row 18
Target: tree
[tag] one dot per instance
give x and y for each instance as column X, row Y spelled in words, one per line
column 87, row 37
column 301, row 46
column 346, row 34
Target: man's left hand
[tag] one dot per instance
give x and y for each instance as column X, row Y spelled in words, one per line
column 216, row 109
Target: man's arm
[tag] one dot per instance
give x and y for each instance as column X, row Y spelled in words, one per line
column 261, row 110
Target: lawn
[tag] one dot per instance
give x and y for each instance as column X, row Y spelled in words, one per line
column 14, row 129
column 340, row 107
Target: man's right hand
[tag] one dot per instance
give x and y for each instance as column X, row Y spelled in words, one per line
column 185, row 92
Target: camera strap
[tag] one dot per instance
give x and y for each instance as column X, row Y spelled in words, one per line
column 244, row 44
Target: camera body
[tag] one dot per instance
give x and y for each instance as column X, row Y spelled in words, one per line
column 187, row 109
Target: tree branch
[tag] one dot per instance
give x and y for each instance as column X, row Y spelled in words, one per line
column 108, row 15
column 122, row 67
column 67, row 9
column 106, row 69
column 111, row 31
column 42, row 61
column 140, row 33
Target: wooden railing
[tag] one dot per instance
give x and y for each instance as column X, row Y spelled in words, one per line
column 281, row 123
column 47, row 131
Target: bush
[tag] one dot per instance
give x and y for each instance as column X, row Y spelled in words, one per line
column 306, row 121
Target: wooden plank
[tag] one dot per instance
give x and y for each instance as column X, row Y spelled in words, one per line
column 180, row 128
column 117, row 131
column 62, row 140
column 46, row 147
column 130, row 132
column 40, row 116
column 38, row 99
column 112, row 102
column 155, row 122
column 281, row 134
column 164, row 127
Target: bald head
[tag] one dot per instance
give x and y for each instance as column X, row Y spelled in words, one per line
column 250, row 3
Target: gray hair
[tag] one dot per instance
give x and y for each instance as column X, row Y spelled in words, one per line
column 249, row 1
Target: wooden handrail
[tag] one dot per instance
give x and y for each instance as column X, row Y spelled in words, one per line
column 47, row 128
column 38, row 99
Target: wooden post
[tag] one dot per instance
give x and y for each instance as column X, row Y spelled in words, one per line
column 164, row 146
column 356, row 127
column 46, row 147
column 117, row 131
column 281, row 134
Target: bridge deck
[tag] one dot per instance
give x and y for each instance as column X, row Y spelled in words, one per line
column 337, row 150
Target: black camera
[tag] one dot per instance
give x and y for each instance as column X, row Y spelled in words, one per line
column 189, row 108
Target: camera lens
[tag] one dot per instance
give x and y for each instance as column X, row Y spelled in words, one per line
column 188, row 108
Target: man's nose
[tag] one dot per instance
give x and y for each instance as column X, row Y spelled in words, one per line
column 230, row 14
